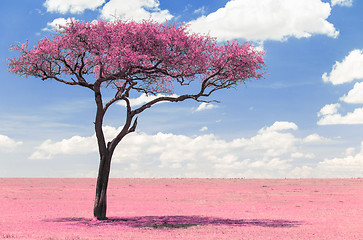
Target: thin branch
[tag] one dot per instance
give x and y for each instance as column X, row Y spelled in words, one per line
column 202, row 93
column 125, row 130
column 81, row 81
column 206, row 82
column 150, row 68
column 143, row 90
column 109, row 103
column 168, row 99
column 57, row 79
column 133, row 128
column 183, row 82
column 80, row 71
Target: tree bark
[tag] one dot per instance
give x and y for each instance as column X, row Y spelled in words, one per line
column 106, row 151
column 100, row 204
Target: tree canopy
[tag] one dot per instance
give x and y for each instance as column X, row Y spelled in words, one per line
column 147, row 57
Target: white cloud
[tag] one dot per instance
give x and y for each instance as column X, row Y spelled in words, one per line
column 267, row 154
column 273, row 152
column 350, row 151
column 272, row 141
column 72, row 146
column 344, row 3
column 56, row 23
column 329, row 109
column 72, row 6
column 200, row 10
column 260, row 20
column 143, row 98
column 349, row 166
column 350, row 69
column 355, row 95
column 315, row 138
column 7, row 144
column 301, row 155
column 203, row 129
column 280, row 126
column 205, row 106
column 355, row 117
column 136, row 10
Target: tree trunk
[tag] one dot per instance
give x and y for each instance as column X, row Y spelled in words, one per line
column 106, row 151
column 100, row 205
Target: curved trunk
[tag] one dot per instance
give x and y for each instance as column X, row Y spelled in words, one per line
column 106, row 151
column 100, row 205
column 99, row 210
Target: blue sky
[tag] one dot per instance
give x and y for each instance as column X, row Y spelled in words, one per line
column 304, row 119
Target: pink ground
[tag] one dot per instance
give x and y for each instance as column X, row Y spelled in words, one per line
column 183, row 209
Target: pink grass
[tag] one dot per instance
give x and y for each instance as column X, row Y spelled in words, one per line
column 183, row 209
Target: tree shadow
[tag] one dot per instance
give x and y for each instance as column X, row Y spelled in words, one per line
column 175, row 222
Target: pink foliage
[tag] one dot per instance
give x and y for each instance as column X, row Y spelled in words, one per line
column 153, row 53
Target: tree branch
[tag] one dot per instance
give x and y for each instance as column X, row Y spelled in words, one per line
column 81, row 81
column 125, row 130
column 133, row 128
column 99, row 119
column 160, row 99
column 205, row 84
column 122, row 93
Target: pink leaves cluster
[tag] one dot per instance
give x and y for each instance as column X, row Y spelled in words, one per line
column 150, row 55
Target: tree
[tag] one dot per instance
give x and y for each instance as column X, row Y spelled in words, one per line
column 145, row 57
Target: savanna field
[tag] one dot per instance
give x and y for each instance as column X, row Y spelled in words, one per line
column 60, row 209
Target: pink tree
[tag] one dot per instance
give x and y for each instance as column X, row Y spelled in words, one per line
column 144, row 57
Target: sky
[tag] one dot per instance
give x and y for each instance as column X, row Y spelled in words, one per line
column 304, row 119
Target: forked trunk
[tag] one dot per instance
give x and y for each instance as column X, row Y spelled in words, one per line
column 106, row 151
column 100, row 206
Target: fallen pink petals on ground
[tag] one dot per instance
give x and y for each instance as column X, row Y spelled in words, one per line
column 183, row 209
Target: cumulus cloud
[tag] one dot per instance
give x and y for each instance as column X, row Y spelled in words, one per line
column 280, row 126
column 350, row 69
column 302, row 155
column 143, row 98
column 344, row 3
column 72, row 146
column 260, row 20
column 315, row 138
column 205, row 106
column 203, row 129
column 333, row 117
column 56, row 23
column 355, row 95
column 348, row 166
column 329, row 109
column 270, row 153
column 136, row 10
column 350, row 151
column 7, row 144
column 273, row 141
column 72, row 6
